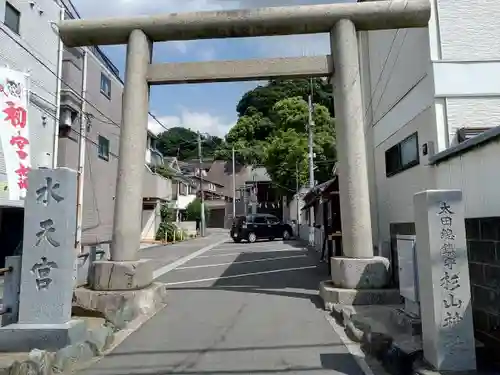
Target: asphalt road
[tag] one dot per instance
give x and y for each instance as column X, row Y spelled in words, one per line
column 237, row 309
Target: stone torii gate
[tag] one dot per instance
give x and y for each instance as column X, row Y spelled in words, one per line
column 340, row 20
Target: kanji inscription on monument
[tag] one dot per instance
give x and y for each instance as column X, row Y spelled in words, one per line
column 42, row 272
column 444, row 283
column 48, row 247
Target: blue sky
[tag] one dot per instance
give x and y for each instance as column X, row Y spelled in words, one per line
column 209, row 108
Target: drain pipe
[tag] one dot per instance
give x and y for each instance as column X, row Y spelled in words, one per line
column 81, row 156
column 60, row 52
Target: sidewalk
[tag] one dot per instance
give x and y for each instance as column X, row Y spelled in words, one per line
column 237, row 309
column 166, row 254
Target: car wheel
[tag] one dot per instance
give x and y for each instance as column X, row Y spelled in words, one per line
column 237, row 240
column 252, row 237
column 286, row 235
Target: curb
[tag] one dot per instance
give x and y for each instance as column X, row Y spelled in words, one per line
column 98, row 343
column 395, row 358
column 156, row 244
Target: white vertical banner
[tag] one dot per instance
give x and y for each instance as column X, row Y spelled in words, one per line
column 14, row 131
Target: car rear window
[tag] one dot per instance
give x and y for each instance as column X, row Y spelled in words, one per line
column 239, row 220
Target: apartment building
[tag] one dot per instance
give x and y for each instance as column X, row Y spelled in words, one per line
column 157, row 190
column 29, row 64
column 432, row 110
column 91, row 105
column 91, row 109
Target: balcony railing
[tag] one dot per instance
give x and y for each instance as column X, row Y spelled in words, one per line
column 156, row 186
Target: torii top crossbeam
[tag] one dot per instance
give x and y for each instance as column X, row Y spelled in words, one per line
column 306, row 19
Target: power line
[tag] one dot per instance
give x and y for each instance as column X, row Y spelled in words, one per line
column 79, row 96
column 390, row 75
column 372, row 92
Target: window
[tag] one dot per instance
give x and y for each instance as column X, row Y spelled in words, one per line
column 402, row 156
column 272, row 220
column 464, row 134
column 260, row 220
column 12, row 17
column 105, row 86
column 103, row 148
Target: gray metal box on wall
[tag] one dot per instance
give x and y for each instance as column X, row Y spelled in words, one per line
column 407, row 267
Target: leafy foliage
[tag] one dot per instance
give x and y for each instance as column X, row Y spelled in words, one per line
column 288, row 147
column 183, row 143
column 162, row 171
column 166, row 228
column 193, row 211
column 263, row 98
column 272, row 131
column 286, row 159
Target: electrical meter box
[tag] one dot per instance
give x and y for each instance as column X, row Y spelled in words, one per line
column 407, row 264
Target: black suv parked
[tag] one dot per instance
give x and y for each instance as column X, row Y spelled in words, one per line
column 253, row 227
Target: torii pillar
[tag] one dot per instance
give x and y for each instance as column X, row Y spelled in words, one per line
column 359, row 277
column 359, row 269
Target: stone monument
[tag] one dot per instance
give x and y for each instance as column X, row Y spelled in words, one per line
column 47, row 265
column 444, row 284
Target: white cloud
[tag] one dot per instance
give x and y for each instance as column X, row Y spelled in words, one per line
column 197, row 121
column 275, row 46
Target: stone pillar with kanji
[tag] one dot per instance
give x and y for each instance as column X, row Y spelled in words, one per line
column 46, row 287
column 444, row 284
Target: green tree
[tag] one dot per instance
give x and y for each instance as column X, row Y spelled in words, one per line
column 263, row 98
column 293, row 113
column 287, row 151
column 183, row 143
column 193, row 211
column 167, row 227
column 289, row 144
column 272, row 130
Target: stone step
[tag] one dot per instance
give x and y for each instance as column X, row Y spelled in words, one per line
column 330, row 294
column 408, row 324
column 400, row 352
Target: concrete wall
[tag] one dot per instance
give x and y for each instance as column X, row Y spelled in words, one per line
column 156, row 186
column 435, row 81
column 104, row 117
column 467, row 67
column 398, row 101
column 474, row 174
column 151, row 220
column 35, row 51
column 153, row 156
column 188, row 226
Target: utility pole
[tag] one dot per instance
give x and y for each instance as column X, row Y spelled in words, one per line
column 311, row 167
column 297, row 194
column 310, row 138
column 254, row 195
column 202, row 193
column 234, row 185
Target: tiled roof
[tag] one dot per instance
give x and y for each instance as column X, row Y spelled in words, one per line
column 259, row 174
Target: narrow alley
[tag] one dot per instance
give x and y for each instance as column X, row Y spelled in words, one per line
column 237, row 309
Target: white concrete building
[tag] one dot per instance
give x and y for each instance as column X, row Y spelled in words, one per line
column 426, row 92
column 421, row 86
column 30, row 61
